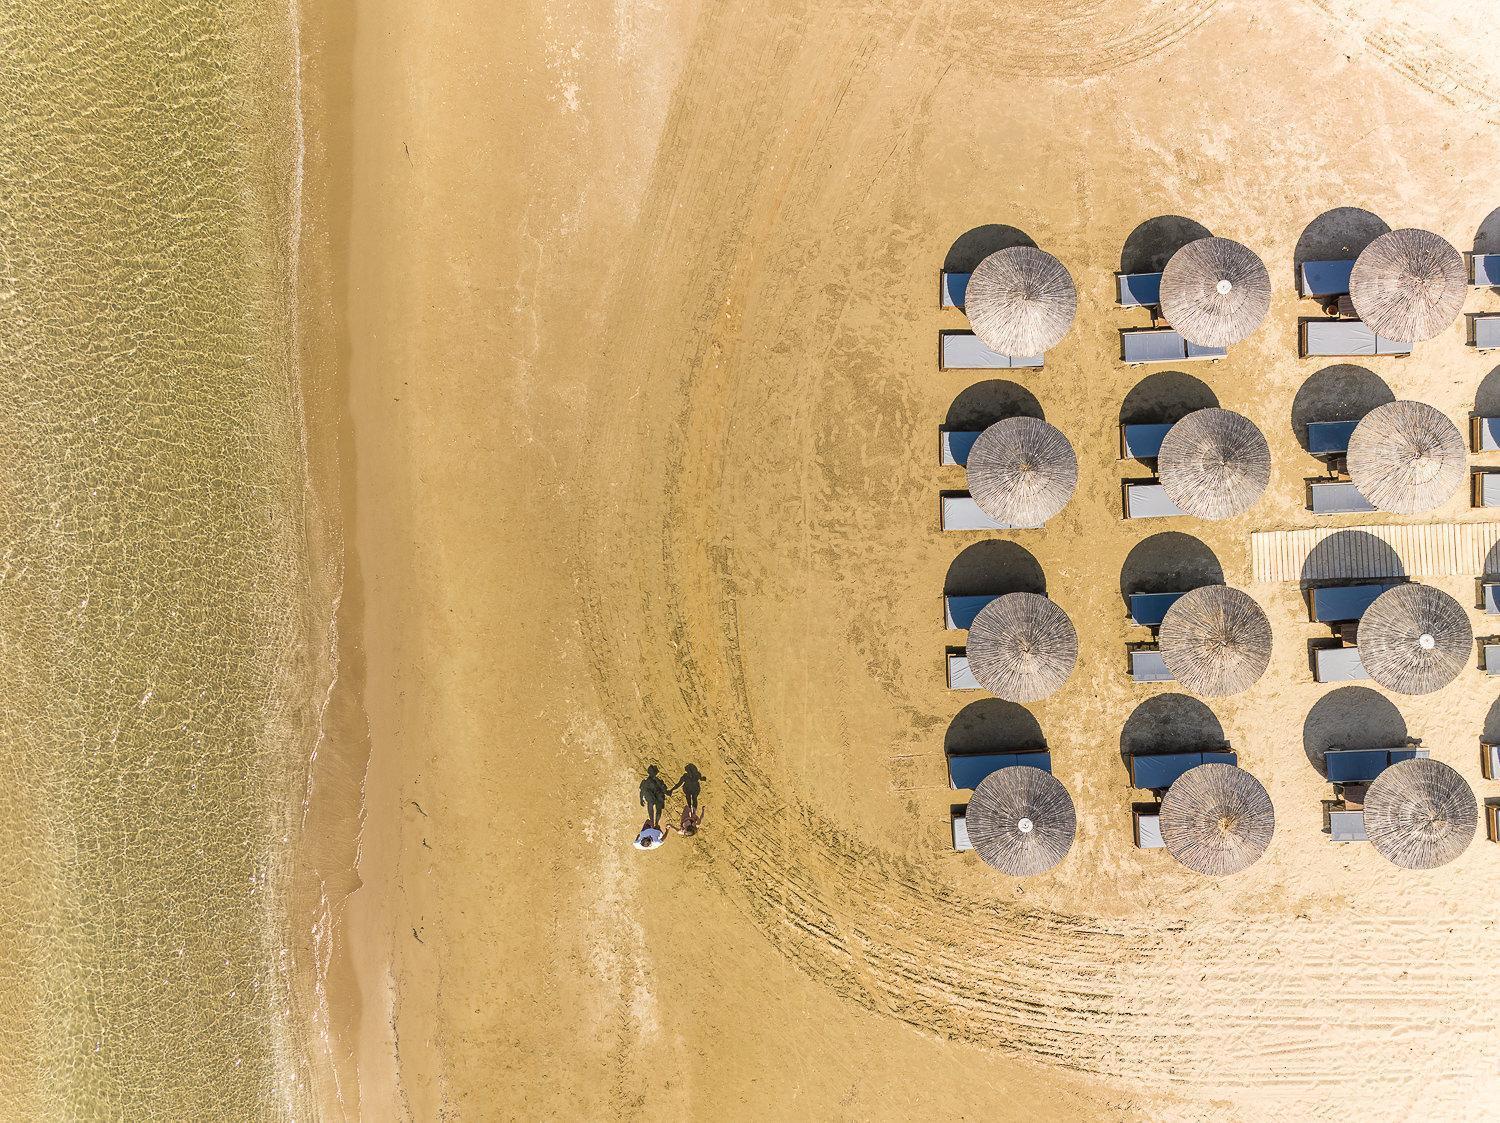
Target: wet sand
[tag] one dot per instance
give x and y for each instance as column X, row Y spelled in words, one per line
column 642, row 413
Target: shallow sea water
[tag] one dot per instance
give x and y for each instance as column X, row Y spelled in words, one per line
column 154, row 635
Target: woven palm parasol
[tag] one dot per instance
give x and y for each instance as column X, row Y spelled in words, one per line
column 1021, row 820
column 1020, row 301
column 1216, row 640
column 1022, row 471
column 1408, row 285
column 1406, row 457
column 1414, row 639
column 1420, row 814
column 1214, row 463
column 1022, row 647
column 1215, row 292
column 1217, row 819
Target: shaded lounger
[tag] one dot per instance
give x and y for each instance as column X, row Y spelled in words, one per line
column 967, row 770
column 1148, row 609
column 1329, row 438
column 1484, row 270
column 1360, row 766
column 1325, row 278
column 1341, row 604
column 951, row 289
column 954, row 446
column 1157, row 771
column 1484, row 433
column 1142, row 442
column 1138, row 290
column 1486, row 489
column 959, row 612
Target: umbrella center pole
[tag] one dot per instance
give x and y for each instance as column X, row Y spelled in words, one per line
column 1024, row 825
column 1426, row 641
column 1224, row 286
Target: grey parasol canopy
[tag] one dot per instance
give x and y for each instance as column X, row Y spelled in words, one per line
column 1406, row 457
column 1217, row 819
column 1022, row 647
column 1022, row 471
column 1420, row 814
column 1021, row 820
column 1215, row 292
column 1216, row 640
column 1020, row 301
column 1408, row 285
column 1414, row 639
column 1214, row 463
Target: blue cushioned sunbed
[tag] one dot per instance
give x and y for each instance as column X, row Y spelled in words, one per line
column 968, row 769
column 1161, row 770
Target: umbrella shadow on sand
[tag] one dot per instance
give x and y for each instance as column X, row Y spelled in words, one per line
column 1351, row 717
column 984, row 403
column 1339, row 234
column 1170, row 723
column 973, row 246
column 1342, row 392
column 1164, row 398
column 993, row 725
column 994, row 568
column 1151, row 244
column 1169, row 562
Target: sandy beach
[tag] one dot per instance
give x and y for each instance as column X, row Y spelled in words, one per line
column 629, row 322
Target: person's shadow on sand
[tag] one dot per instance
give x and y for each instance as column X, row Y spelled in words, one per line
column 691, row 783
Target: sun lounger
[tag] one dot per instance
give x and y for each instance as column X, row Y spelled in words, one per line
column 1147, row 500
column 1333, row 338
column 1147, row 665
column 1484, row 270
column 1492, row 658
column 1492, row 821
column 960, row 816
column 1336, row 497
column 963, row 350
column 954, row 446
column 959, row 612
column 1138, row 290
column 1146, row 826
column 1489, row 760
column 1148, row 609
column 959, row 675
column 1486, row 489
column 1329, row 438
column 966, row 770
column 1326, row 278
column 960, row 512
column 1346, row 826
column 1162, row 345
column 1161, row 770
column 1484, row 331
column 1489, row 597
column 1340, row 604
column 1360, row 766
column 951, row 289
column 1337, row 664
column 1484, row 433
column 1141, row 442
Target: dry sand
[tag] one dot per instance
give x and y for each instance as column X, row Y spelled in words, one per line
column 639, row 337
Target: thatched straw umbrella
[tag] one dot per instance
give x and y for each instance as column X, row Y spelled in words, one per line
column 1408, row 285
column 1216, row 640
column 1406, row 457
column 1414, row 639
column 1217, row 819
column 1022, row 647
column 1215, row 292
column 1420, row 814
column 1022, row 471
column 1020, row 301
column 1214, row 463
column 1021, row 820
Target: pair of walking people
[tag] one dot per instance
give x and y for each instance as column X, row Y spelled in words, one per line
column 654, row 792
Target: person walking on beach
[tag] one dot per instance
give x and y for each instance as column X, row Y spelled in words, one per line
column 653, row 797
column 650, row 837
